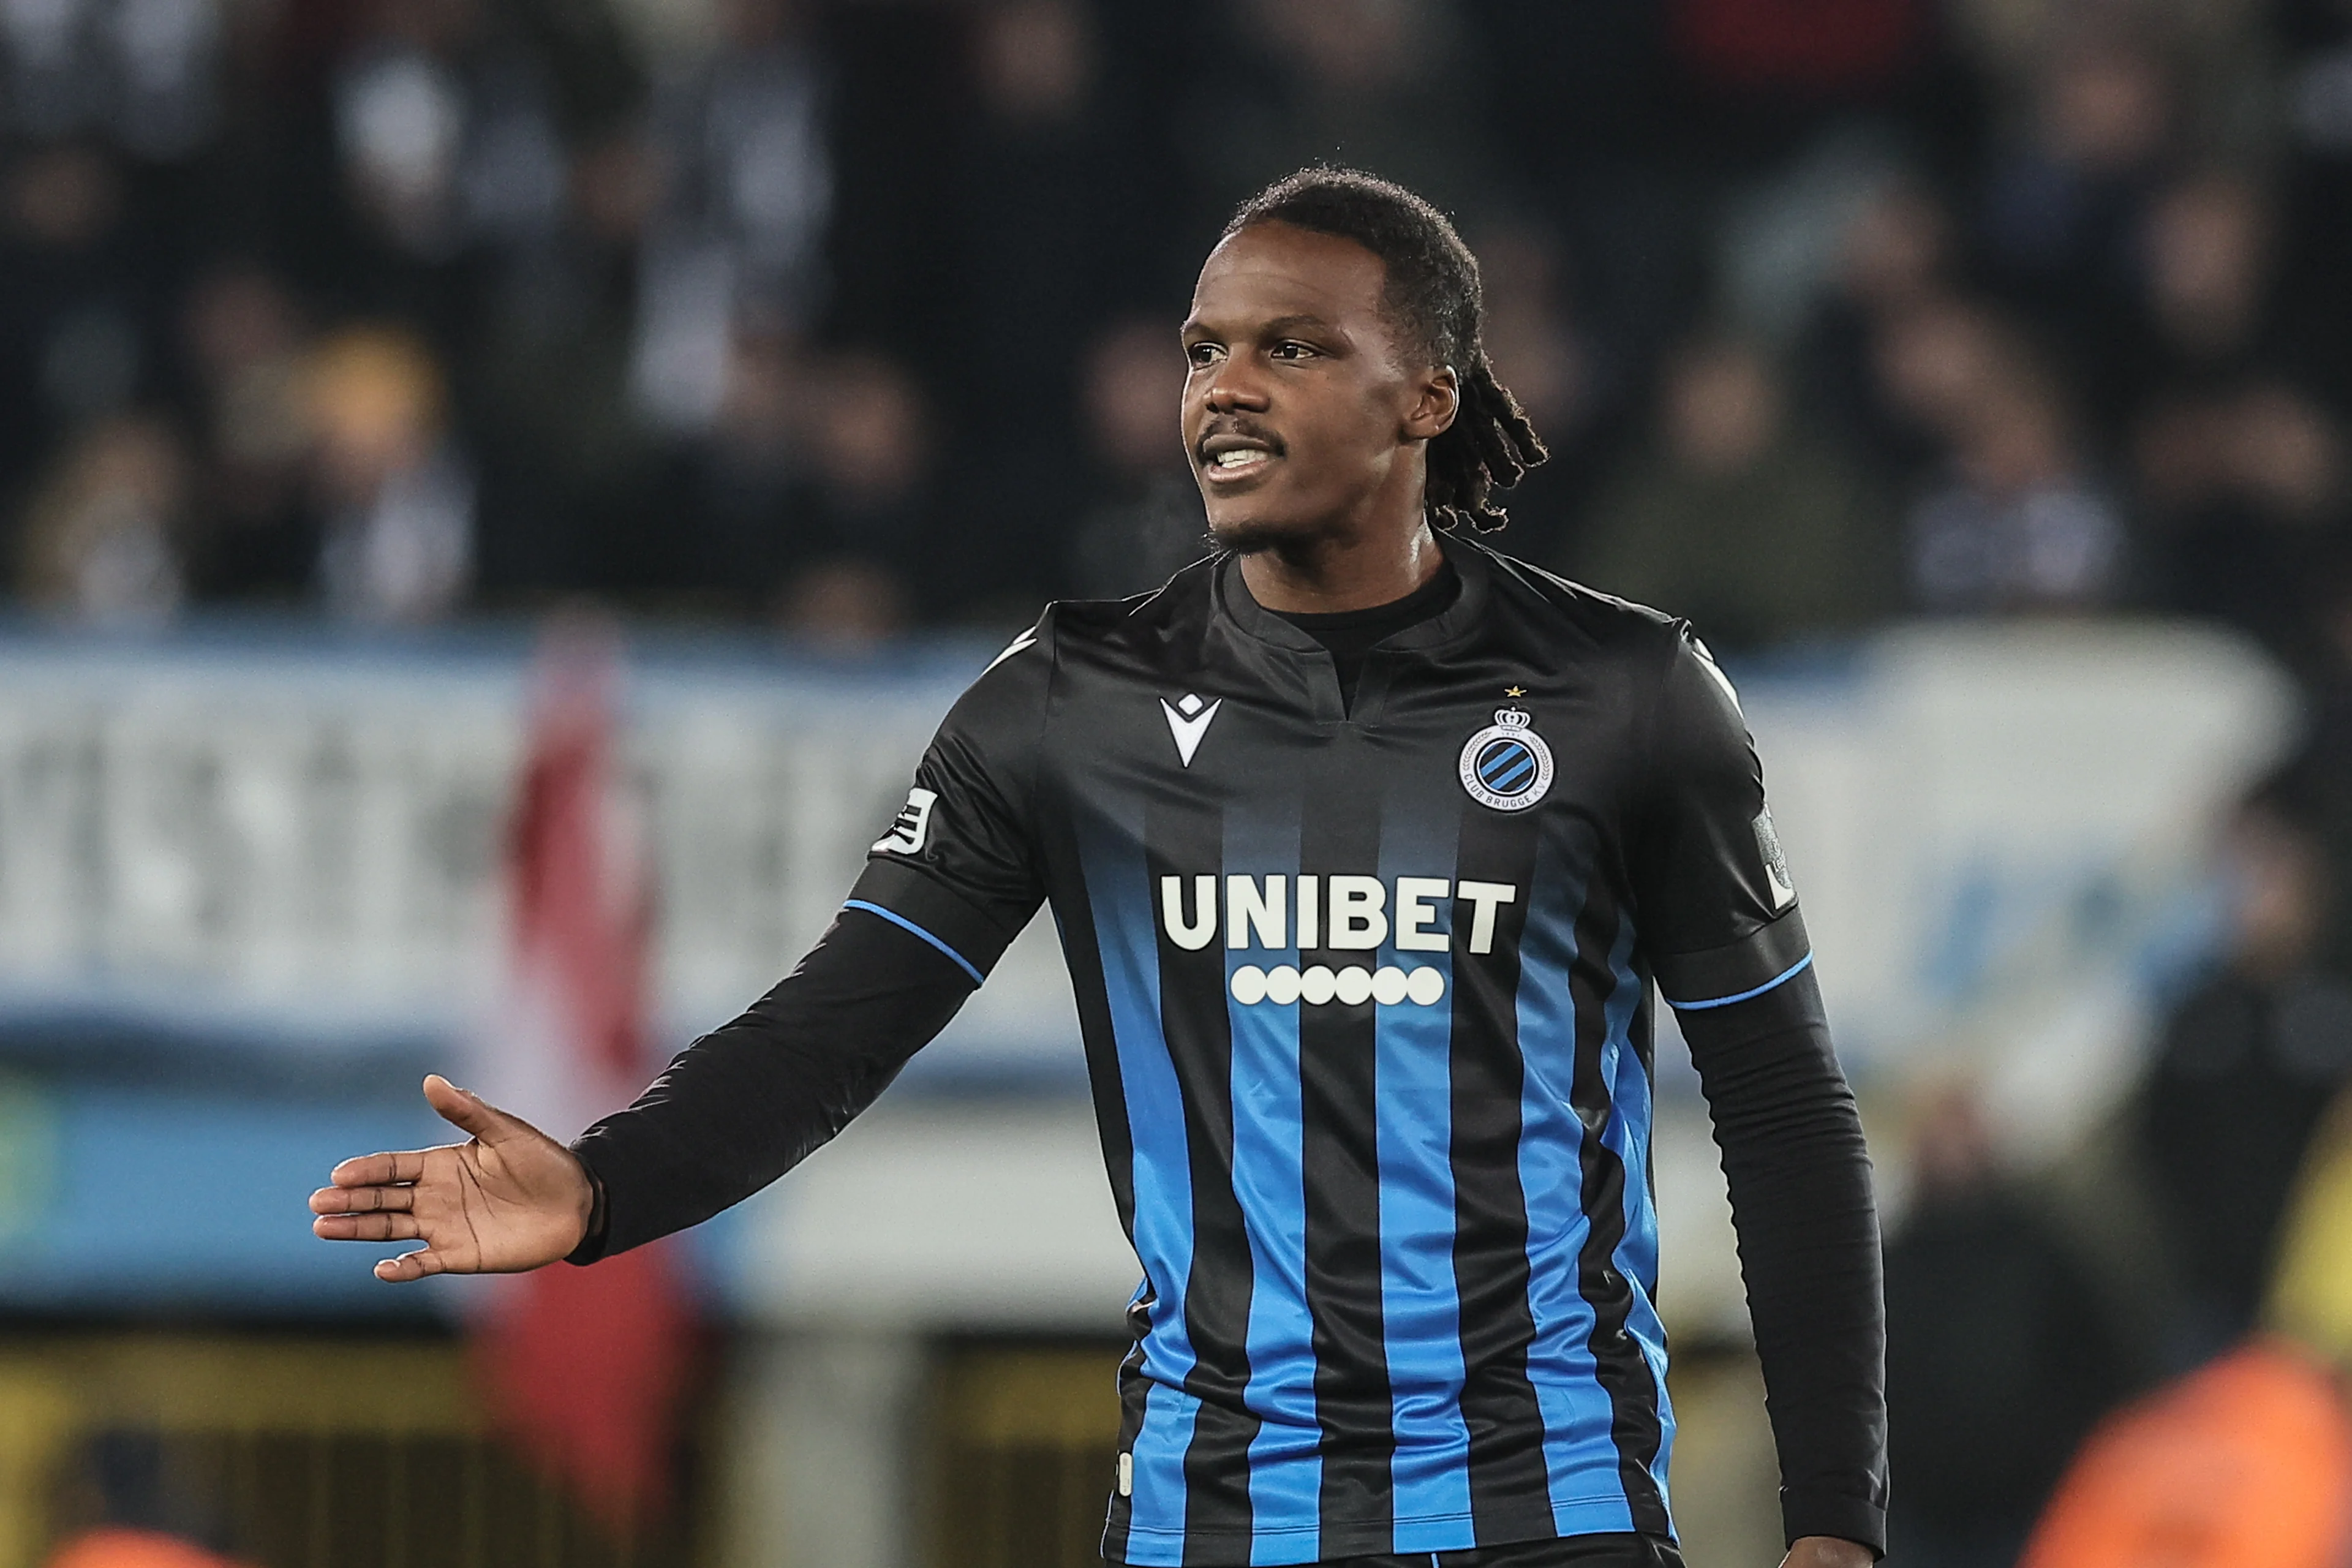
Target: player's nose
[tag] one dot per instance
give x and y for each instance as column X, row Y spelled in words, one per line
column 1232, row 388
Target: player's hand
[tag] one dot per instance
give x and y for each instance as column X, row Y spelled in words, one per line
column 508, row 1199
column 1827, row 1551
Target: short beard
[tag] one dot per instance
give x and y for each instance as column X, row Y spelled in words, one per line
column 1291, row 540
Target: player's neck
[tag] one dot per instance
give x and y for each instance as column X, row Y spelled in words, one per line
column 1331, row 575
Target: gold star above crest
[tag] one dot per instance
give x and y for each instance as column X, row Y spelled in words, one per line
column 1514, row 691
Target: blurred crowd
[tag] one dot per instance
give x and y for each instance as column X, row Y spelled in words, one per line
column 2156, row 1330
column 858, row 314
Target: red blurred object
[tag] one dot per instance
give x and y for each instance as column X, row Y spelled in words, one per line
column 1824, row 46
column 583, row 1367
column 2245, row 1463
column 114, row 1548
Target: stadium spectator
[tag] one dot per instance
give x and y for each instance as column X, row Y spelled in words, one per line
column 569, row 466
column 844, row 606
column 143, row 77
column 254, row 533
column 732, row 494
column 1374, row 83
column 2017, row 523
column 1735, row 521
column 2240, row 471
column 1050, row 227
column 1935, row 359
column 2244, row 488
column 1999, row 1358
column 1146, row 520
column 396, row 495
column 1895, row 269
column 2316, row 182
column 1572, row 393
column 83, row 282
column 736, row 241
column 2244, row 1068
column 2064, row 206
column 102, row 534
column 866, row 514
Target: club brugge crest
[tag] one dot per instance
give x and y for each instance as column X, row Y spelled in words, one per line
column 1507, row 765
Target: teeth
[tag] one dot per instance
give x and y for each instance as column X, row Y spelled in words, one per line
column 1235, row 458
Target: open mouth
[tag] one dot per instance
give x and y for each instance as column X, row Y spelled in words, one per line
column 1226, row 459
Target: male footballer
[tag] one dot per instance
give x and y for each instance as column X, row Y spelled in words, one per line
column 1367, row 845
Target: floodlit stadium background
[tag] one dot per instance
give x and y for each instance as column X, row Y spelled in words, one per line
column 1975, row 373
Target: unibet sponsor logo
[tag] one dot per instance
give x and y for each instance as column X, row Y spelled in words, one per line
column 1422, row 985
column 1336, row 913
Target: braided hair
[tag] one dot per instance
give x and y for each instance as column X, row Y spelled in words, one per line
column 1432, row 290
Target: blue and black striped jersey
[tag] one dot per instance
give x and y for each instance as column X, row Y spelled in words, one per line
column 1366, row 1000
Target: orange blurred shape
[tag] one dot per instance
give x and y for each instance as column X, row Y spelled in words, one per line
column 2244, row 1464
column 114, row 1548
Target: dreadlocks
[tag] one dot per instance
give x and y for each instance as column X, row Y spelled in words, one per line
column 1432, row 290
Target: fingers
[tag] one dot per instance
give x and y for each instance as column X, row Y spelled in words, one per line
column 408, row 1266
column 379, row 1170
column 468, row 1111
column 366, row 1228
column 362, row 1200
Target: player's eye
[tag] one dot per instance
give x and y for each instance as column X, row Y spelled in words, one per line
column 1202, row 354
column 1292, row 349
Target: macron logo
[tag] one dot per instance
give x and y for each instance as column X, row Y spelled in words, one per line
column 1021, row 644
column 1188, row 721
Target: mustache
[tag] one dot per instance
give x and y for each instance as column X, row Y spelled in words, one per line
column 1240, row 425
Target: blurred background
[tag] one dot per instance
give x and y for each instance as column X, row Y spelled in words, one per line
column 451, row 449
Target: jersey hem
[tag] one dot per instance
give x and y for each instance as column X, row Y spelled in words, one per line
column 1270, row 1546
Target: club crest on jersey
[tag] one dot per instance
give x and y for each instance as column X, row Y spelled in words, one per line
column 1507, row 765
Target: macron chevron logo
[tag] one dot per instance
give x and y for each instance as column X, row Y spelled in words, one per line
column 1021, row 644
column 1188, row 721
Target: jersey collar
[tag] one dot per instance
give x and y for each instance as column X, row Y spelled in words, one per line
column 1467, row 612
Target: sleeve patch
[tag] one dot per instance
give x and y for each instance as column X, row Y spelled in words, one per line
column 911, row 830
column 1775, row 863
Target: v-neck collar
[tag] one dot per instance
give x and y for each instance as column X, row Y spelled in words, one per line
column 1467, row 610
column 1234, row 602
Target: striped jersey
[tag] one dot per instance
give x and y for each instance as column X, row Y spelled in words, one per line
column 1366, row 997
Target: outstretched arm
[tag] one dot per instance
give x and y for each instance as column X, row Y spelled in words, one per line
column 747, row 1102
column 735, row 1111
column 944, row 891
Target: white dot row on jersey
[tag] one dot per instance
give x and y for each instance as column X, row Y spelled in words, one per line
column 1422, row 986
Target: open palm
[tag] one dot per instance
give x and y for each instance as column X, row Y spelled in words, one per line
column 509, row 1198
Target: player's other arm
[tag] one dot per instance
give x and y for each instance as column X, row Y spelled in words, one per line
column 945, row 891
column 1728, row 947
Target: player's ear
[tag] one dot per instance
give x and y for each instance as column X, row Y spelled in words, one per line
column 1436, row 401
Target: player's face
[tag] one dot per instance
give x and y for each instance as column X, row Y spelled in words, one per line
column 1302, row 418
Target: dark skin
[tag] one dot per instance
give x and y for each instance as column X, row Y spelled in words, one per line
column 1298, row 372
column 1294, row 362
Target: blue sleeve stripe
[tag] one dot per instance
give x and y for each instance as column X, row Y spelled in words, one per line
column 1788, row 974
column 903, row 923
